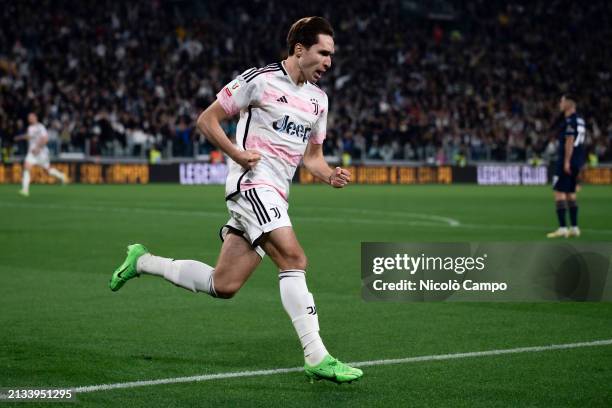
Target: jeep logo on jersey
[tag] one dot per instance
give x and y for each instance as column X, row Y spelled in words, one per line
column 291, row 128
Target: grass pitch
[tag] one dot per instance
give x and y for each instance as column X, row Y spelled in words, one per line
column 62, row 327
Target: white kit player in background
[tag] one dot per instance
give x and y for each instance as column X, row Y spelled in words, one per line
column 38, row 153
column 283, row 119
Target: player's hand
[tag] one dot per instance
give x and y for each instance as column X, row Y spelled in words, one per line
column 340, row 178
column 566, row 168
column 247, row 158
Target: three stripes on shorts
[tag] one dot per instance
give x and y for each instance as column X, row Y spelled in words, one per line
column 258, row 208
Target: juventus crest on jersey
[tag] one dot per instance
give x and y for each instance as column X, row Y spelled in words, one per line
column 278, row 118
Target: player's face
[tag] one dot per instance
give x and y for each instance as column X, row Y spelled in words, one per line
column 315, row 60
column 32, row 119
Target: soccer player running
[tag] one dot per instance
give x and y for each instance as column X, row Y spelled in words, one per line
column 38, row 153
column 570, row 158
column 283, row 118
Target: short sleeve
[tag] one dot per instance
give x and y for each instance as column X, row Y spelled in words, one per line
column 320, row 128
column 239, row 93
column 571, row 128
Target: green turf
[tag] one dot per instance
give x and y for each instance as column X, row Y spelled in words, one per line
column 61, row 326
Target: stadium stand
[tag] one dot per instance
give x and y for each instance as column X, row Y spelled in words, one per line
column 443, row 83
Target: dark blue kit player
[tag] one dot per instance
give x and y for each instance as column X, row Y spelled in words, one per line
column 570, row 159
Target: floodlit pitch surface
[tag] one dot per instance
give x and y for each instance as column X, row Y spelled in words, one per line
column 62, row 327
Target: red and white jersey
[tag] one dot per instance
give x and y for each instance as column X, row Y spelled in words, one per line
column 278, row 118
column 35, row 133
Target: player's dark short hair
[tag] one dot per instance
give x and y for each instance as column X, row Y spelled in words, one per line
column 306, row 30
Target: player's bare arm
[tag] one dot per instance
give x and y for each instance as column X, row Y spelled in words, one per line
column 569, row 148
column 209, row 123
column 316, row 164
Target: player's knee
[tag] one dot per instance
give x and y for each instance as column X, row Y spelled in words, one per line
column 296, row 260
column 221, row 294
column 226, row 292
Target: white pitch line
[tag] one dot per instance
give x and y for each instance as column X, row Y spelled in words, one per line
column 402, row 214
column 484, row 353
column 429, row 221
column 423, row 220
column 259, row 373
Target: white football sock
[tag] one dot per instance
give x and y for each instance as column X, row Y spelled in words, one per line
column 192, row 275
column 57, row 174
column 25, row 181
column 299, row 305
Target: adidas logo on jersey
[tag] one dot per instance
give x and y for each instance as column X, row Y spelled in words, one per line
column 282, row 99
column 285, row 125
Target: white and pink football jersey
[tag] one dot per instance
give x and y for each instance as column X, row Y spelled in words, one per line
column 35, row 133
column 278, row 118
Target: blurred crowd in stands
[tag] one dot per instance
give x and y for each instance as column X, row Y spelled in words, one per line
column 480, row 81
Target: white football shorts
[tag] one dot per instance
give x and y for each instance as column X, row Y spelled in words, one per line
column 255, row 212
column 41, row 159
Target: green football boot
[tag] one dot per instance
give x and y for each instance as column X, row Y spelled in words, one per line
column 332, row 370
column 127, row 270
